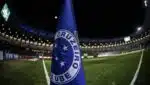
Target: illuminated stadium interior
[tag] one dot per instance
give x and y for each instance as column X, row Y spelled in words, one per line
column 29, row 42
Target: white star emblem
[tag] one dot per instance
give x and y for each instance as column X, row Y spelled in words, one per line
column 55, row 46
column 62, row 63
column 65, row 48
column 56, row 58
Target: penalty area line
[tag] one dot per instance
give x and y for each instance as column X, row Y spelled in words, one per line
column 46, row 73
column 138, row 69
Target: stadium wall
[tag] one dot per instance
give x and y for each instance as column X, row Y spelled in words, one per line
column 1, row 55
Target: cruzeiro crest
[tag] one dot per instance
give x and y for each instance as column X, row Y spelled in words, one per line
column 66, row 58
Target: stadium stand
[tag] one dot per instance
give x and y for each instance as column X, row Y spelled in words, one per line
column 22, row 42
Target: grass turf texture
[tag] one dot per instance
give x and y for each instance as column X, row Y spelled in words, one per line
column 22, row 73
column 144, row 74
column 111, row 71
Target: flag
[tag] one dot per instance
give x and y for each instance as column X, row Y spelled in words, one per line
column 66, row 67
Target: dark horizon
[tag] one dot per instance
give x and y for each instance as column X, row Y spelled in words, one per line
column 95, row 19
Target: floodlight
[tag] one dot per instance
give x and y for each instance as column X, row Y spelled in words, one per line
column 126, row 39
column 139, row 28
column 145, row 3
column 55, row 17
column 5, row 12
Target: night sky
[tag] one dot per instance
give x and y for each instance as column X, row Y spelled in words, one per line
column 94, row 18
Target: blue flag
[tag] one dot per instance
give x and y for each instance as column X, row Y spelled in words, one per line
column 66, row 68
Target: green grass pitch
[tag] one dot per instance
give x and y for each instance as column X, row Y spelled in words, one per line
column 111, row 71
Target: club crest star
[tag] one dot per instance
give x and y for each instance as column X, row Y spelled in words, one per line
column 56, row 58
column 55, row 45
column 65, row 48
column 62, row 64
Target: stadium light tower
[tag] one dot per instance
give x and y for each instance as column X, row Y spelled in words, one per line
column 139, row 29
column 146, row 3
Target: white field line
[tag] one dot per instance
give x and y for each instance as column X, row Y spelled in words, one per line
column 46, row 73
column 138, row 69
column 132, row 52
column 115, row 55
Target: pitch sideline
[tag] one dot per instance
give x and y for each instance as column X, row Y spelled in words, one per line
column 138, row 69
column 46, row 73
